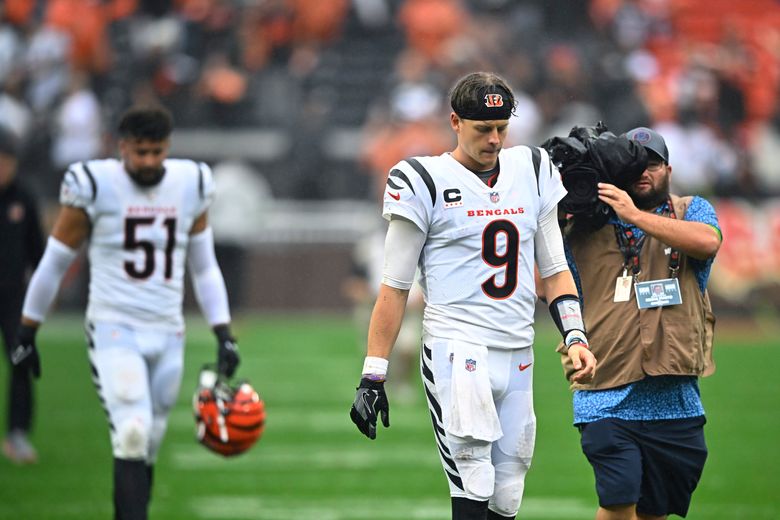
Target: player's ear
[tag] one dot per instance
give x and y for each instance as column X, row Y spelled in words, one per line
column 122, row 147
column 455, row 121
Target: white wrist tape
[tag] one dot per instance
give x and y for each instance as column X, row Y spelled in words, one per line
column 575, row 337
column 45, row 282
column 376, row 366
column 207, row 279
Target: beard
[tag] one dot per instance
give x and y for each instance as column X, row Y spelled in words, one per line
column 147, row 176
column 653, row 197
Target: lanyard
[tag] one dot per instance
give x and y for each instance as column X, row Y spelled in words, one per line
column 674, row 255
column 630, row 247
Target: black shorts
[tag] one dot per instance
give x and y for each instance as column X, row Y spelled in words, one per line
column 653, row 464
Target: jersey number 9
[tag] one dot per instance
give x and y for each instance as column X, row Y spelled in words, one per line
column 509, row 259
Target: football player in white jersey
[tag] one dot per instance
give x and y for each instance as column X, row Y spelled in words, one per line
column 475, row 220
column 143, row 216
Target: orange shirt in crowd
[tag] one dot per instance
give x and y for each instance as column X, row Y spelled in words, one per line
column 430, row 24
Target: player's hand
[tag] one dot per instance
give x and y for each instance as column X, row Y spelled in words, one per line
column 581, row 357
column 370, row 401
column 227, row 351
column 25, row 354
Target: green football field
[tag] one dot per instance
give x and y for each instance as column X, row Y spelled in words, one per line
column 313, row 464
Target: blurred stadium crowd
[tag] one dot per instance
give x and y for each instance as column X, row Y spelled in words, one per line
column 336, row 91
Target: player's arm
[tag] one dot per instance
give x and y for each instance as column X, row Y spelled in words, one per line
column 403, row 245
column 70, row 230
column 695, row 239
column 538, row 284
column 384, row 325
column 560, row 290
column 211, row 293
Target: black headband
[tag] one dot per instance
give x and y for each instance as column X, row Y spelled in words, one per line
column 493, row 102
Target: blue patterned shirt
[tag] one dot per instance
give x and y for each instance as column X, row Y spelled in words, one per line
column 652, row 398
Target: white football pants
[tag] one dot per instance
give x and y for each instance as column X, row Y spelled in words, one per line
column 478, row 469
column 137, row 374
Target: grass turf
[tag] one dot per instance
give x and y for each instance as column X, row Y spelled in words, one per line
column 312, row 462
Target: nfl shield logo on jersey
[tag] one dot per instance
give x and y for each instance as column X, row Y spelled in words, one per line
column 494, row 197
column 471, row 365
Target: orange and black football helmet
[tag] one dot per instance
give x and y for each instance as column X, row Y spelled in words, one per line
column 228, row 419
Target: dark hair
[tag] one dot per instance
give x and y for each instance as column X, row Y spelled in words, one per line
column 149, row 123
column 467, row 96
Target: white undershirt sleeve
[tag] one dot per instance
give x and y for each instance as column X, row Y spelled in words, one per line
column 548, row 242
column 45, row 282
column 403, row 244
column 207, row 278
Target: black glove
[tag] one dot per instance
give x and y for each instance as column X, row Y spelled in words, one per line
column 370, row 400
column 25, row 354
column 227, row 351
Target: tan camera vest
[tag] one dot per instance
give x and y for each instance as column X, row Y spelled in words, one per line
column 630, row 343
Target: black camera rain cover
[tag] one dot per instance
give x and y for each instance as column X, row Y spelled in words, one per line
column 620, row 160
column 587, row 156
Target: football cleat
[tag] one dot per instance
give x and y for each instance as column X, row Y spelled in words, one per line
column 228, row 419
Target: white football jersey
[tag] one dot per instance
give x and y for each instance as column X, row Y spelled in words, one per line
column 139, row 237
column 477, row 264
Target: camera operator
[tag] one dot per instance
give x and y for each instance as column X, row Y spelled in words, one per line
column 642, row 265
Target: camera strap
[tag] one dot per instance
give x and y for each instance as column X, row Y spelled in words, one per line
column 630, row 247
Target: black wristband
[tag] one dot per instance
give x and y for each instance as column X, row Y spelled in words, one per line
column 223, row 333
column 567, row 314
